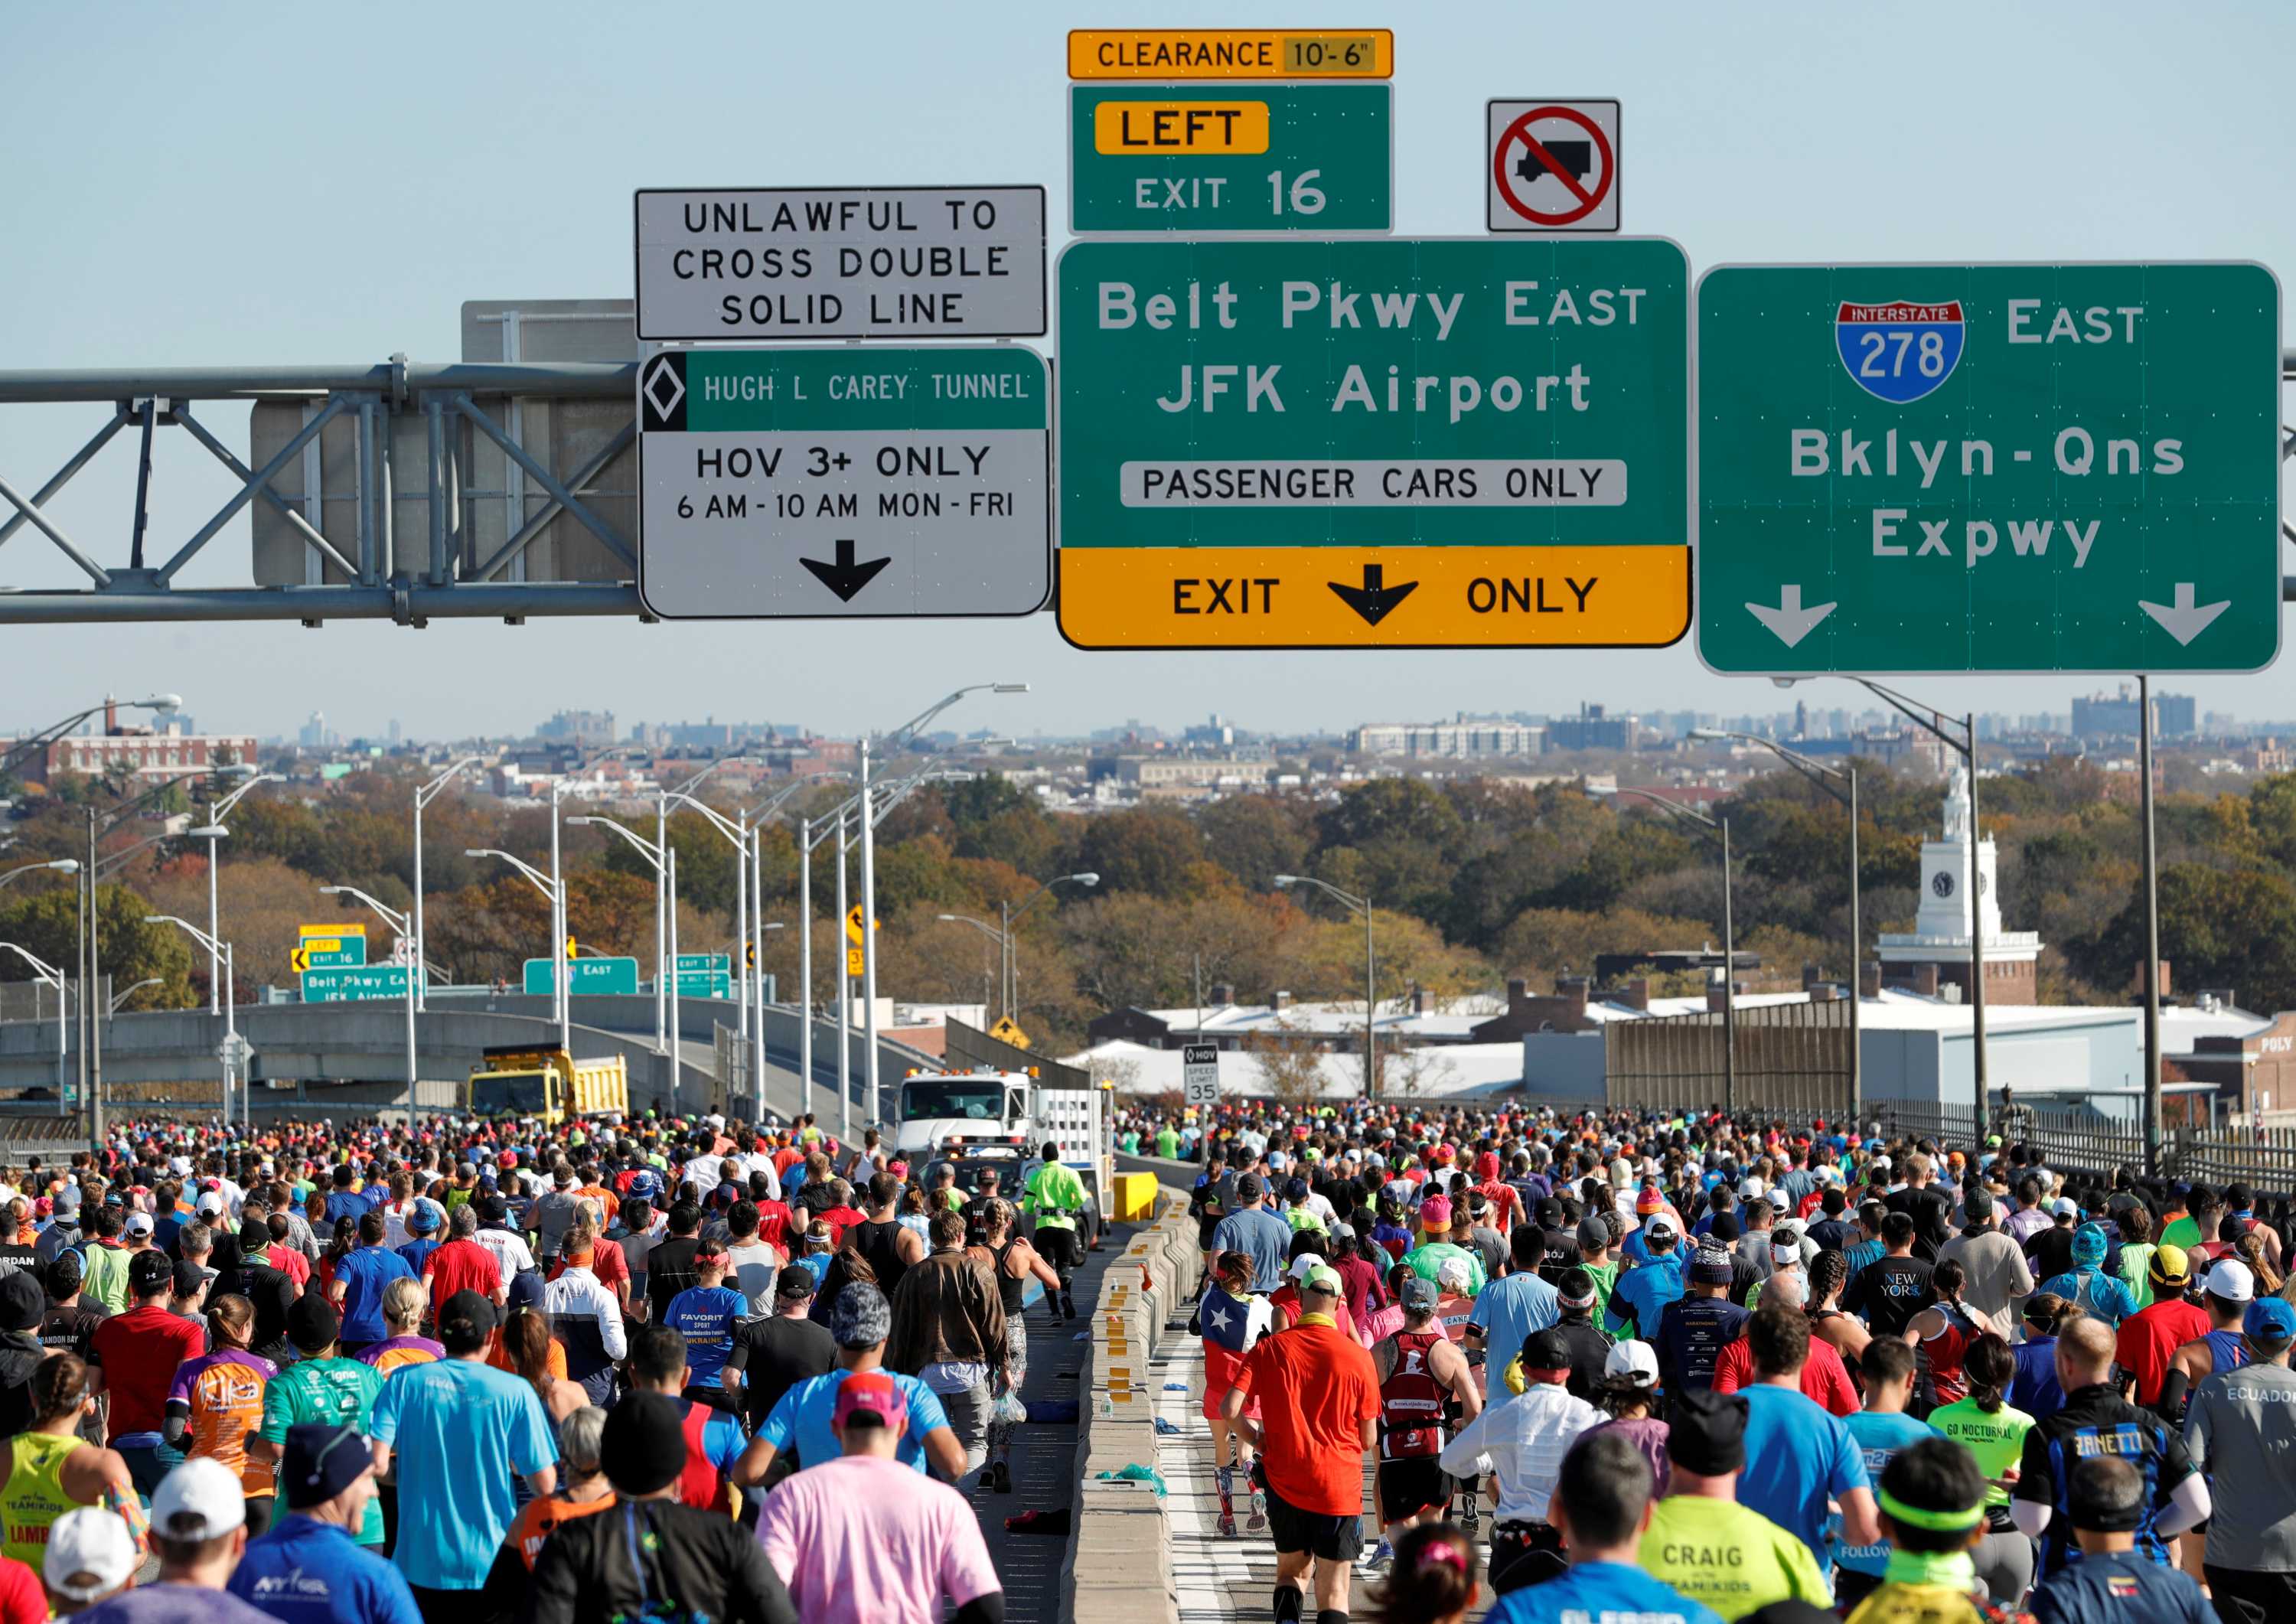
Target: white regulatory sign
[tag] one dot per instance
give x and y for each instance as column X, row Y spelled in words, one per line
column 1552, row 165
column 1200, row 1073
column 830, row 480
column 863, row 262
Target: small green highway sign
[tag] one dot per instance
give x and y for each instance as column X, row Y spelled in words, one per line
column 1997, row 468
column 585, row 976
column 352, row 984
column 1234, row 157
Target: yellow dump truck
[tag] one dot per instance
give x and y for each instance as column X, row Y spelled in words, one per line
column 547, row 1084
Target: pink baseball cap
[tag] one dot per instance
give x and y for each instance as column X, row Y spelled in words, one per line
column 871, row 1393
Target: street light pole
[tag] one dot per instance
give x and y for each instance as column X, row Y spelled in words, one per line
column 1361, row 904
column 1965, row 746
column 844, row 1001
column 230, row 1012
column 554, row 892
column 424, row 794
column 48, row 975
column 1729, row 937
column 1010, row 943
column 400, row 925
column 1823, row 776
column 213, row 833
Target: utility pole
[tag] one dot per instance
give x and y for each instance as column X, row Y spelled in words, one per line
column 93, row 988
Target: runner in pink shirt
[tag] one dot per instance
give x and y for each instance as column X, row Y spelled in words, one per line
column 863, row 1539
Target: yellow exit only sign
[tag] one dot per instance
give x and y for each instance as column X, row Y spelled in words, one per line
column 1162, row 129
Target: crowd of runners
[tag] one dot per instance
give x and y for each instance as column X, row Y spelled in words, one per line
column 1682, row 1367
column 596, row 1374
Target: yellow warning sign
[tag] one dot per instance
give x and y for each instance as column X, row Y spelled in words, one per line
column 299, row 959
column 1374, row 597
column 350, row 928
column 1166, row 130
column 1009, row 1030
column 855, row 964
column 1231, row 53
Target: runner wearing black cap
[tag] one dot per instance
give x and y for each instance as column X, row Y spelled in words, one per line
column 1696, row 1326
column 2111, row 1580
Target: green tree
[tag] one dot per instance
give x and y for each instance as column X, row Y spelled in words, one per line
column 1146, row 848
column 1257, row 837
column 2219, row 928
column 128, row 949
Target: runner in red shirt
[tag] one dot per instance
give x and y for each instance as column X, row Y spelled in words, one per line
column 2149, row 1338
column 139, row 1352
column 462, row 1265
column 1319, row 1406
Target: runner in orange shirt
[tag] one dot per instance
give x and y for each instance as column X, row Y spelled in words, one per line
column 216, row 1401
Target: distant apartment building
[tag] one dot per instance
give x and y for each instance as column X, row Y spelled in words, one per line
column 1593, row 728
column 168, row 752
column 579, row 727
column 1157, row 777
column 2116, row 716
column 1460, row 739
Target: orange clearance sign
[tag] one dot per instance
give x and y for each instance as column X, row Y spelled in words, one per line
column 1231, row 53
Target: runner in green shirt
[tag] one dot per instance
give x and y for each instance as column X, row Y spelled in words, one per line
column 1994, row 1434
column 319, row 1387
column 1700, row 1540
column 1055, row 1199
column 1167, row 1142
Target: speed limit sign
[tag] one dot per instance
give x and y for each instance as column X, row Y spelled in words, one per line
column 1200, row 1073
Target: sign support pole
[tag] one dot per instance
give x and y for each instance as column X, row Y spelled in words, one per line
column 868, row 932
column 2153, row 1101
column 1976, row 934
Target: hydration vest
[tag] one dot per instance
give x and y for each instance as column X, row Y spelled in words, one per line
column 1411, row 1401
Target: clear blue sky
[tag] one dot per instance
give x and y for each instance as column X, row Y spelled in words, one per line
column 273, row 183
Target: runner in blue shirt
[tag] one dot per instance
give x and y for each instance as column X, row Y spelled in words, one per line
column 1797, row 1455
column 705, row 1314
column 1880, row 1431
column 310, row 1569
column 1511, row 1308
column 800, row 1419
column 1638, row 1301
column 1599, row 1506
column 362, row 1275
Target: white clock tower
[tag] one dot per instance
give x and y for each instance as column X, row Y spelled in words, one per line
column 1940, row 934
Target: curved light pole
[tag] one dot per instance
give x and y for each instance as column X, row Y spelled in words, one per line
column 1824, row 777
column 230, row 1014
column 23, row 748
column 402, row 928
column 992, row 934
column 1360, row 905
column 424, row 794
column 47, row 975
column 905, row 732
column 756, row 816
column 1691, row 815
column 130, row 990
column 63, row 866
column 1965, row 743
column 1011, row 989
column 212, row 834
column 665, row 955
column 553, row 892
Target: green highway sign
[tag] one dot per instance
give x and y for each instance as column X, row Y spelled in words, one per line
column 1231, row 158
column 1426, row 442
column 722, row 963
column 704, row 984
column 610, row 976
column 1998, row 468
column 352, row 984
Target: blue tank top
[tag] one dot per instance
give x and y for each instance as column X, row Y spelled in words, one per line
column 2226, row 1351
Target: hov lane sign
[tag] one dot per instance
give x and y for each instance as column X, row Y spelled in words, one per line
column 1552, row 165
column 787, row 483
column 1996, row 468
column 1200, row 1073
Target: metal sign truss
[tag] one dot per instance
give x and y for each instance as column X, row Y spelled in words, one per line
column 448, row 581
column 387, row 574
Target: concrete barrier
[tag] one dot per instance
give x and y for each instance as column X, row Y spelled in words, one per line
column 1118, row 1569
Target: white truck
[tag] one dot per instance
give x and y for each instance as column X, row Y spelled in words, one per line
column 990, row 1115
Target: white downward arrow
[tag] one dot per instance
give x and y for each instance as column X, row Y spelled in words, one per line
column 1790, row 620
column 2185, row 619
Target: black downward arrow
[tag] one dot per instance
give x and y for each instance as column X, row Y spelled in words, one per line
column 1374, row 597
column 845, row 578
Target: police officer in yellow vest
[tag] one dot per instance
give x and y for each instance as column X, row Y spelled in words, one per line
column 1056, row 1199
